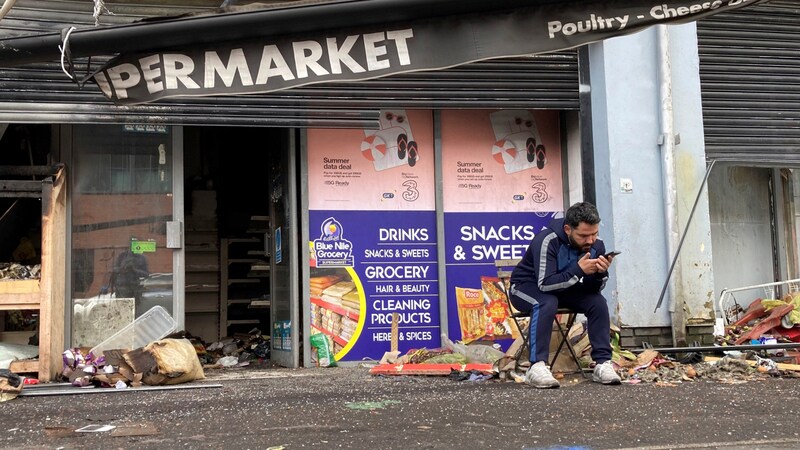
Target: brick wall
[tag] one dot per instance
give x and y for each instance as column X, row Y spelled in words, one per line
column 662, row 336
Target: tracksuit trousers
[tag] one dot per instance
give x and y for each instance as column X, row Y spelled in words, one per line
column 543, row 308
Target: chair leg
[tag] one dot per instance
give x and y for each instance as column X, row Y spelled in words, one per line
column 525, row 344
column 564, row 332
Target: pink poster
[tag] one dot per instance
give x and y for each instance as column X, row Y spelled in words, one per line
column 501, row 161
column 390, row 168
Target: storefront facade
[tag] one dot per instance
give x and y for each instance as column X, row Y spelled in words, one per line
column 401, row 190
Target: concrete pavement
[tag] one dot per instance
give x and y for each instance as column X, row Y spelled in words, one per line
column 349, row 408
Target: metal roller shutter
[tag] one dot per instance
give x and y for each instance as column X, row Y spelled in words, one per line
column 750, row 80
column 43, row 94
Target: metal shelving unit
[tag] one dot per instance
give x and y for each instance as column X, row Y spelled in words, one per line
column 245, row 277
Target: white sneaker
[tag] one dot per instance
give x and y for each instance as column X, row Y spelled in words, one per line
column 539, row 376
column 605, row 373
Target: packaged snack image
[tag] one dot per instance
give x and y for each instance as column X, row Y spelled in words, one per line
column 393, row 144
column 471, row 314
column 498, row 321
column 518, row 145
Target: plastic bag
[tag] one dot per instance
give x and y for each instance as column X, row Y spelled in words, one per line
column 481, row 354
column 322, row 343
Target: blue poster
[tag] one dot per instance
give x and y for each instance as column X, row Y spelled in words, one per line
column 367, row 265
column 473, row 241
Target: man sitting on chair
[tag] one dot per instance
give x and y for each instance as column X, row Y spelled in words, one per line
column 564, row 266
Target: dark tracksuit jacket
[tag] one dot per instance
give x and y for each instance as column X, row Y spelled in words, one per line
column 549, row 277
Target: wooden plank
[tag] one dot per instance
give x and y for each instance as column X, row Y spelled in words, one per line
column 19, row 301
column 395, row 333
column 53, row 282
column 24, row 366
column 505, row 267
column 16, row 337
column 19, row 287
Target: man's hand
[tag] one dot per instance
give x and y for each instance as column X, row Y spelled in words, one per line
column 591, row 265
column 603, row 263
column 587, row 264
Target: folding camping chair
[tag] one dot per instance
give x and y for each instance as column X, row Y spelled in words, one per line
column 504, row 269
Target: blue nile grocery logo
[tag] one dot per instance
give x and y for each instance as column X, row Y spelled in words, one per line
column 331, row 248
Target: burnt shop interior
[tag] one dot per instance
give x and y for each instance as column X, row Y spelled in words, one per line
column 20, row 227
column 122, row 185
column 227, row 173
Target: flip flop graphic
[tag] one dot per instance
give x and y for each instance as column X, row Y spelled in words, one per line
column 530, row 148
column 413, row 153
column 402, row 145
column 541, row 156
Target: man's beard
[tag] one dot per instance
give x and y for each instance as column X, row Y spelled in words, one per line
column 574, row 244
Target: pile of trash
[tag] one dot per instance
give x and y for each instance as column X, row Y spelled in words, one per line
column 449, row 353
column 239, row 350
column 653, row 367
column 162, row 362
column 764, row 321
column 177, row 358
column 15, row 271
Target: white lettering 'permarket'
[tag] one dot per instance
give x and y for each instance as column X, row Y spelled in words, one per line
column 311, row 59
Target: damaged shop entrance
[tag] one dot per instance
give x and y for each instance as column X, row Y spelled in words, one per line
column 193, row 220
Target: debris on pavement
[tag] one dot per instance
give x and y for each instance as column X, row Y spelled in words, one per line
column 163, row 362
column 248, row 348
column 95, row 428
column 765, row 321
column 144, row 429
column 648, row 366
column 370, row 406
column 11, row 385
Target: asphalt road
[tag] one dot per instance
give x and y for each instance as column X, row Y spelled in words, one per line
column 349, row 408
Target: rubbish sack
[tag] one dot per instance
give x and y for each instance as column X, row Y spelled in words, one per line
column 176, row 360
column 480, row 354
column 10, row 385
column 322, row 343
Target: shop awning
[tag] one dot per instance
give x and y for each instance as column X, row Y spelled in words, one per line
column 257, row 50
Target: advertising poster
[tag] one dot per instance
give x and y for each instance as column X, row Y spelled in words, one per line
column 372, row 231
column 502, row 184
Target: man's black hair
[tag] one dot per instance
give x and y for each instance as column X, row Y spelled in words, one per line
column 581, row 212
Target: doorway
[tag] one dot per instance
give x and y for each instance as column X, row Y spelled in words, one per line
column 237, row 216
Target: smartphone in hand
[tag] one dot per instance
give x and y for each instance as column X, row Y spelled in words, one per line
column 614, row 253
